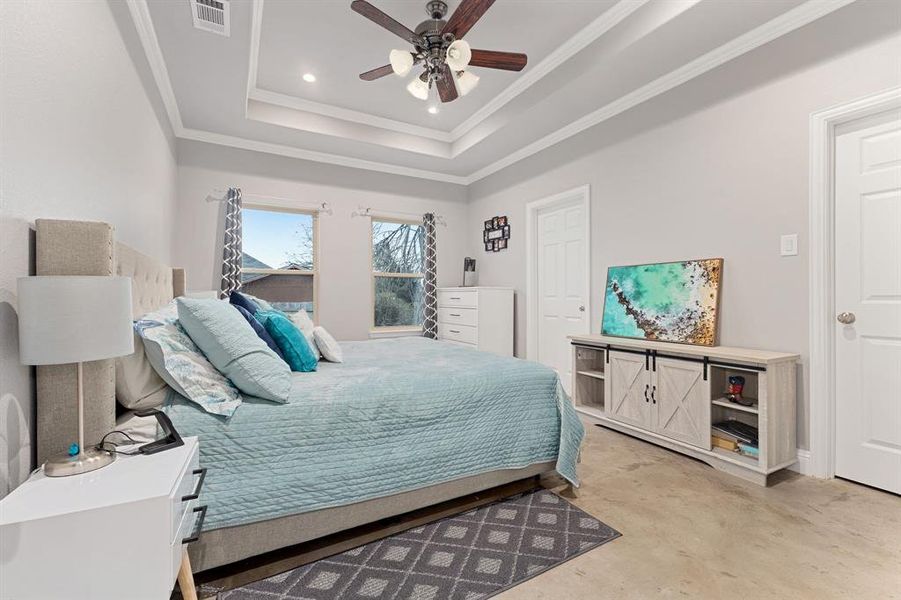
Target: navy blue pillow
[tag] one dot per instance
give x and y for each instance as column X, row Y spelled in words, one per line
column 239, row 299
column 259, row 329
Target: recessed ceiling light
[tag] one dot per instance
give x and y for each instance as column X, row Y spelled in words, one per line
column 309, row 77
column 433, row 110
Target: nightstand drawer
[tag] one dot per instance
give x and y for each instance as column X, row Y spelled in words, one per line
column 468, row 298
column 184, row 497
column 458, row 333
column 459, row 316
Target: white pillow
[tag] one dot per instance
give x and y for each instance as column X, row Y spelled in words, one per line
column 331, row 351
column 303, row 322
column 138, row 386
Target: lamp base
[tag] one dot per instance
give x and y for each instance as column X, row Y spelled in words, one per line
column 90, row 459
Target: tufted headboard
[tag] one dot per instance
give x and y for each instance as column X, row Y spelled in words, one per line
column 89, row 248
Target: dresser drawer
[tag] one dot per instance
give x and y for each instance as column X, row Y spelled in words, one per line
column 453, row 298
column 458, row 333
column 184, row 497
column 458, row 316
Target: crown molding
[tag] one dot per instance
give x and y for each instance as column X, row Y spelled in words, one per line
column 140, row 15
column 346, row 114
column 322, row 157
column 775, row 28
column 769, row 31
column 609, row 19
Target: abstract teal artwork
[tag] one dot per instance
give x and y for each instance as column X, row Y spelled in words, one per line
column 667, row 302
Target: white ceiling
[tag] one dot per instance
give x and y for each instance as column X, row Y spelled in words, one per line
column 588, row 61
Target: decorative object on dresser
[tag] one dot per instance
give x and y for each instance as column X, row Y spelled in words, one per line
column 676, row 396
column 667, row 302
column 74, row 319
column 481, row 317
column 496, row 234
column 470, row 276
column 119, row 534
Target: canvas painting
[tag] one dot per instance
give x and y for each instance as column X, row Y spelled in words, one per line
column 667, row 302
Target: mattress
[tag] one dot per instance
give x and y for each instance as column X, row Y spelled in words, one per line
column 397, row 415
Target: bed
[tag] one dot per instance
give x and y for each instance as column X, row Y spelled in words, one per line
column 402, row 424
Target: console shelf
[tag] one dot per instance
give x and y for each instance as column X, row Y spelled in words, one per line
column 671, row 394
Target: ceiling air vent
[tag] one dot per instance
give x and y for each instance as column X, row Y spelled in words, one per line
column 211, row 15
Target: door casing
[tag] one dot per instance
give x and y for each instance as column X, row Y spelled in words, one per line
column 821, row 462
column 579, row 195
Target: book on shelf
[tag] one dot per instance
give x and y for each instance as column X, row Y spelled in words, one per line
column 749, row 450
column 725, row 444
column 736, row 431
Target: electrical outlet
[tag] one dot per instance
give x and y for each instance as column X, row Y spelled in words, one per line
column 788, row 245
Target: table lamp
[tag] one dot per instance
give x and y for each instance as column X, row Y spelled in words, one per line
column 74, row 319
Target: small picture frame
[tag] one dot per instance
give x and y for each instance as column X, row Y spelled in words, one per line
column 496, row 221
column 502, row 221
column 489, row 246
column 501, row 244
column 485, row 236
column 497, row 245
column 506, row 230
column 489, row 224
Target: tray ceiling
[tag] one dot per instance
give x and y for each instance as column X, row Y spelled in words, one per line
column 588, row 61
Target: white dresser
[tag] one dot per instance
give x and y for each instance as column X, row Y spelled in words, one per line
column 118, row 532
column 481, row 317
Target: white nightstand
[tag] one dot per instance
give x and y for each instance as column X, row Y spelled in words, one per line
column 119, row 532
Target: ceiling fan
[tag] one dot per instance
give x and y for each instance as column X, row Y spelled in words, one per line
column 438, row 46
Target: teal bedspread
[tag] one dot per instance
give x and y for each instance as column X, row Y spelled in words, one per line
column 397, row 415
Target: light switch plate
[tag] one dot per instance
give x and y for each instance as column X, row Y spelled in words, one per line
column 788, row 245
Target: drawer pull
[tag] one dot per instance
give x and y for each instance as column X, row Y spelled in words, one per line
column 196, row 493
column 454, row 315
column 455, row 297
column 454, row 330
column 198, row 526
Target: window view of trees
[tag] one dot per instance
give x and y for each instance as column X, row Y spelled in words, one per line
column 397, row 265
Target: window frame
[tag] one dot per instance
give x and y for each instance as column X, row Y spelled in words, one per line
column 373, row 274
column 315, row 271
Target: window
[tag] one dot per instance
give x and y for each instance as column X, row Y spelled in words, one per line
column 396, row 274
column 279, row 261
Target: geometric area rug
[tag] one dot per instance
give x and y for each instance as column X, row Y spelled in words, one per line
column 469, row 556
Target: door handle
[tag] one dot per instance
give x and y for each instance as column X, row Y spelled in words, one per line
column 653, row 391
column 582, row 308
column 646, row 399
column 846, row 318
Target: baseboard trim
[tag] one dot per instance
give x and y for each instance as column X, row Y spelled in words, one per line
column 803, row 464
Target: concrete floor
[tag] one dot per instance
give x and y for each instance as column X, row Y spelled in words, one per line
column 692, row 532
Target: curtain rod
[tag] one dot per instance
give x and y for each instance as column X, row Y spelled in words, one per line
column 367, row 211
column 324, row 207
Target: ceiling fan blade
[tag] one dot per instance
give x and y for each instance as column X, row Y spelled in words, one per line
column 376, row 16
column 508, row 61
column 466, row 15
column 447, row 90
column 376, row 73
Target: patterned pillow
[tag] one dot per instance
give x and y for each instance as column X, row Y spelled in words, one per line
column 182, row 365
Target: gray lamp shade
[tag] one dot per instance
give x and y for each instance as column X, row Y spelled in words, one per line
column 66, row 319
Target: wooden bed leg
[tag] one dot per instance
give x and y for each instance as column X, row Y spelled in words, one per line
column 186, row 578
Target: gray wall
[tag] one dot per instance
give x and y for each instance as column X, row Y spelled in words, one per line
column 82, row 138
column 717, row 167
column 344, row 280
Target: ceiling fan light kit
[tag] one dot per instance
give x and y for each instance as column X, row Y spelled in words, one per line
column 439, row 47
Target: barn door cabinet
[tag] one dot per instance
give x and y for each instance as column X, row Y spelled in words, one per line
column 670, row 394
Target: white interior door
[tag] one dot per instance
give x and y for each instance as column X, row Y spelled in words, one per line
column 868, row 303
column 562, row 286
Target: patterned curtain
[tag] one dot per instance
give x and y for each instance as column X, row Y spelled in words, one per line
column 231, row 247
column 430, row 279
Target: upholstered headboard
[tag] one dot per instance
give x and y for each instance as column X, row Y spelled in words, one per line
column 89, row 248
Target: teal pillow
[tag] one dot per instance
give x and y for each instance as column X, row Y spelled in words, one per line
column 234, row 348
column 294, row 346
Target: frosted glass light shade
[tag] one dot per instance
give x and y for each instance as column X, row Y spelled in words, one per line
column 419, row 89
column 401, row 61
column 74, row 319
column 458, row 55
column 466, row 82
